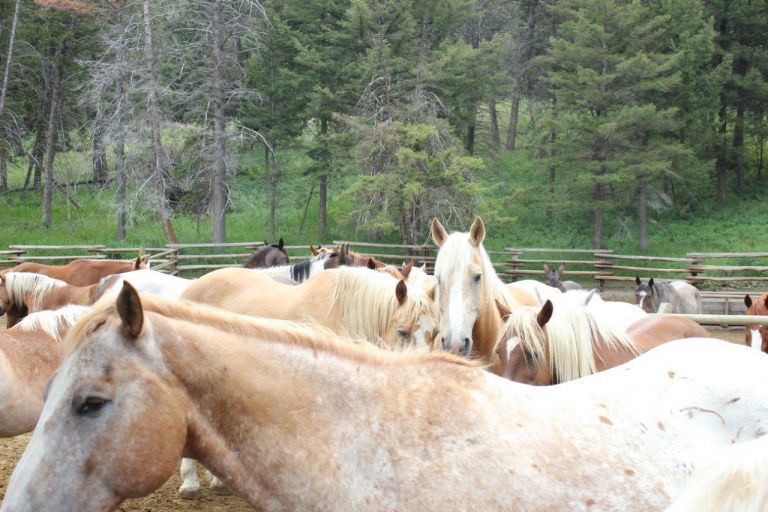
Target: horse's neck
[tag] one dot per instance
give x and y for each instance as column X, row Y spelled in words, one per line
column 81, row 295
column 290, row 427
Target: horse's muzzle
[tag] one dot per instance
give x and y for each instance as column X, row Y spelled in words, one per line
column 463, row 348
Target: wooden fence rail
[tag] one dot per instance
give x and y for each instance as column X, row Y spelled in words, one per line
column 587, row 266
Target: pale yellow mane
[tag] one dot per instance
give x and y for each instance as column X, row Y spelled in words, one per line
column 367, row 303
column 20, row 284
column 265, row 329
column 566, row 340
column 52, row 322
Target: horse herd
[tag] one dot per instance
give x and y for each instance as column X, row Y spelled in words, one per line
column 342, row 383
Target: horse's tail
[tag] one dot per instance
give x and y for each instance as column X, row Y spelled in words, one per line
column 734, row 479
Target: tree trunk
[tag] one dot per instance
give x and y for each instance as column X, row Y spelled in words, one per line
column 520, row 77
column 99, row 156
column 642, row 214
column 471, row 138
column 120, row 168
column 218, row 192
column 153, row 111
column 9, row 58
column 50, row 137
column 597, row 217
column 323, row 195
column 760, row 146
column 495, row 139
column 270, row 168
column 721, row 161
column 3, row 169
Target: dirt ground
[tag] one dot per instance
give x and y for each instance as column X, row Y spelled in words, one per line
column 166, row 498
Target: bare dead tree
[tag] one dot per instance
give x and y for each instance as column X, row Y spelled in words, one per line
column 9, row 58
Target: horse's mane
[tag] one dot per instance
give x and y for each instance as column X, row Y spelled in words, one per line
column 266, row 329
column 567, row 338
column 367, row 301
column 734, row 479
column 456, row 252
column 19, row 284
column 51, row 322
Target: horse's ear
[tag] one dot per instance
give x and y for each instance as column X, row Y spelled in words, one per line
column 650, row 282
column 130, row 310
column 401, row 291
column 315, row 251
column 371, row 264
column 280, row 244
column 266, row 243
column 439, row 235
column 561, row 268
column 637, row 280
column 345, row 250
column 546, row 268
column 477, row 232
column 504, row 311
column 545, row 314
column 748, row 301
column 406, row 270
column 765, row 302
column 137, row 263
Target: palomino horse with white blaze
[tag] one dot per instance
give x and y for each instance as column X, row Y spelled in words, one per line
column 350, row 301
column 82, row 272
column 467, row 288
column 756, row 335
column 291, row 419
column 29, row 354
column 270, row 255
column 684, row 297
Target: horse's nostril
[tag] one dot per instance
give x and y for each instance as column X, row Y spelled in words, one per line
column 467, row 346
column 442, row 342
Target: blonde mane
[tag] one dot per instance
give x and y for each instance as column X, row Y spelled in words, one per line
column 266, row 329
column 52, row 322
column 456, row 253
column 567, row 339
column 367, row 301
column 20, row 284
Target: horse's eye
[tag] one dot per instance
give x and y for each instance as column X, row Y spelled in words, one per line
column 478, row 277
column 404, row 333
column 91, row 406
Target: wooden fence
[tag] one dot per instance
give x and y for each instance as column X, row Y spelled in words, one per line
column 589, row 267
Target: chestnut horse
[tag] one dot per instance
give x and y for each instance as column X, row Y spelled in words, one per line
column 553, row 345
column 82, row 272
column 467, row 286
column 756, row 336
column 29, row 353
column 291, row 419
column 351, row 301
column 271, row 255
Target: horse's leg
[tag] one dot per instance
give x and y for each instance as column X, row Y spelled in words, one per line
column 217, row 486
column 190, row 484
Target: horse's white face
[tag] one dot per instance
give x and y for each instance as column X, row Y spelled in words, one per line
column 757, row 337
column 409, row 327
column 459, row 274
column 111, row 391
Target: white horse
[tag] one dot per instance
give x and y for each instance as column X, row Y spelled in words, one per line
column 291, row 419
column 147, row 281
column 537, row 289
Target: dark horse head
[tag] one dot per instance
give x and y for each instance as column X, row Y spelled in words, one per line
column 270, row 255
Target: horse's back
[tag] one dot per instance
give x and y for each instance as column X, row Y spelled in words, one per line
column 535, row 289
column 685, row 297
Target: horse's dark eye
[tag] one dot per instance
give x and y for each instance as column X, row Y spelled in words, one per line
column 478, row 277
column 91, row 406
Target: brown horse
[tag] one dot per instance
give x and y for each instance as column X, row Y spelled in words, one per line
column 271, row 255
column 292, row 419
column 82, row 272
column 351, row 301
column 754, row 333
column 549, row 346
column 29, row 353
column 22, row 293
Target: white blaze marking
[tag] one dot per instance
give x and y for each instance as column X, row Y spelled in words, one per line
column 757, row 340
column 456, row 308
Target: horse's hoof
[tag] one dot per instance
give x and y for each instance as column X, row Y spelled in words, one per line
column 190, row 493
column 220, row 489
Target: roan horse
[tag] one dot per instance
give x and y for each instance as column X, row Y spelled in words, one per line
column 29, row 353
column 756, row 335
column 685, row 298
column 466, row 291
column 553, row 279
column 350, row 301
column 82, row 272
column 291, row 419
column 554, row 344
column 271, row 255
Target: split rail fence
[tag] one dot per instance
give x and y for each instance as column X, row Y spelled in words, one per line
column 724, row 277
